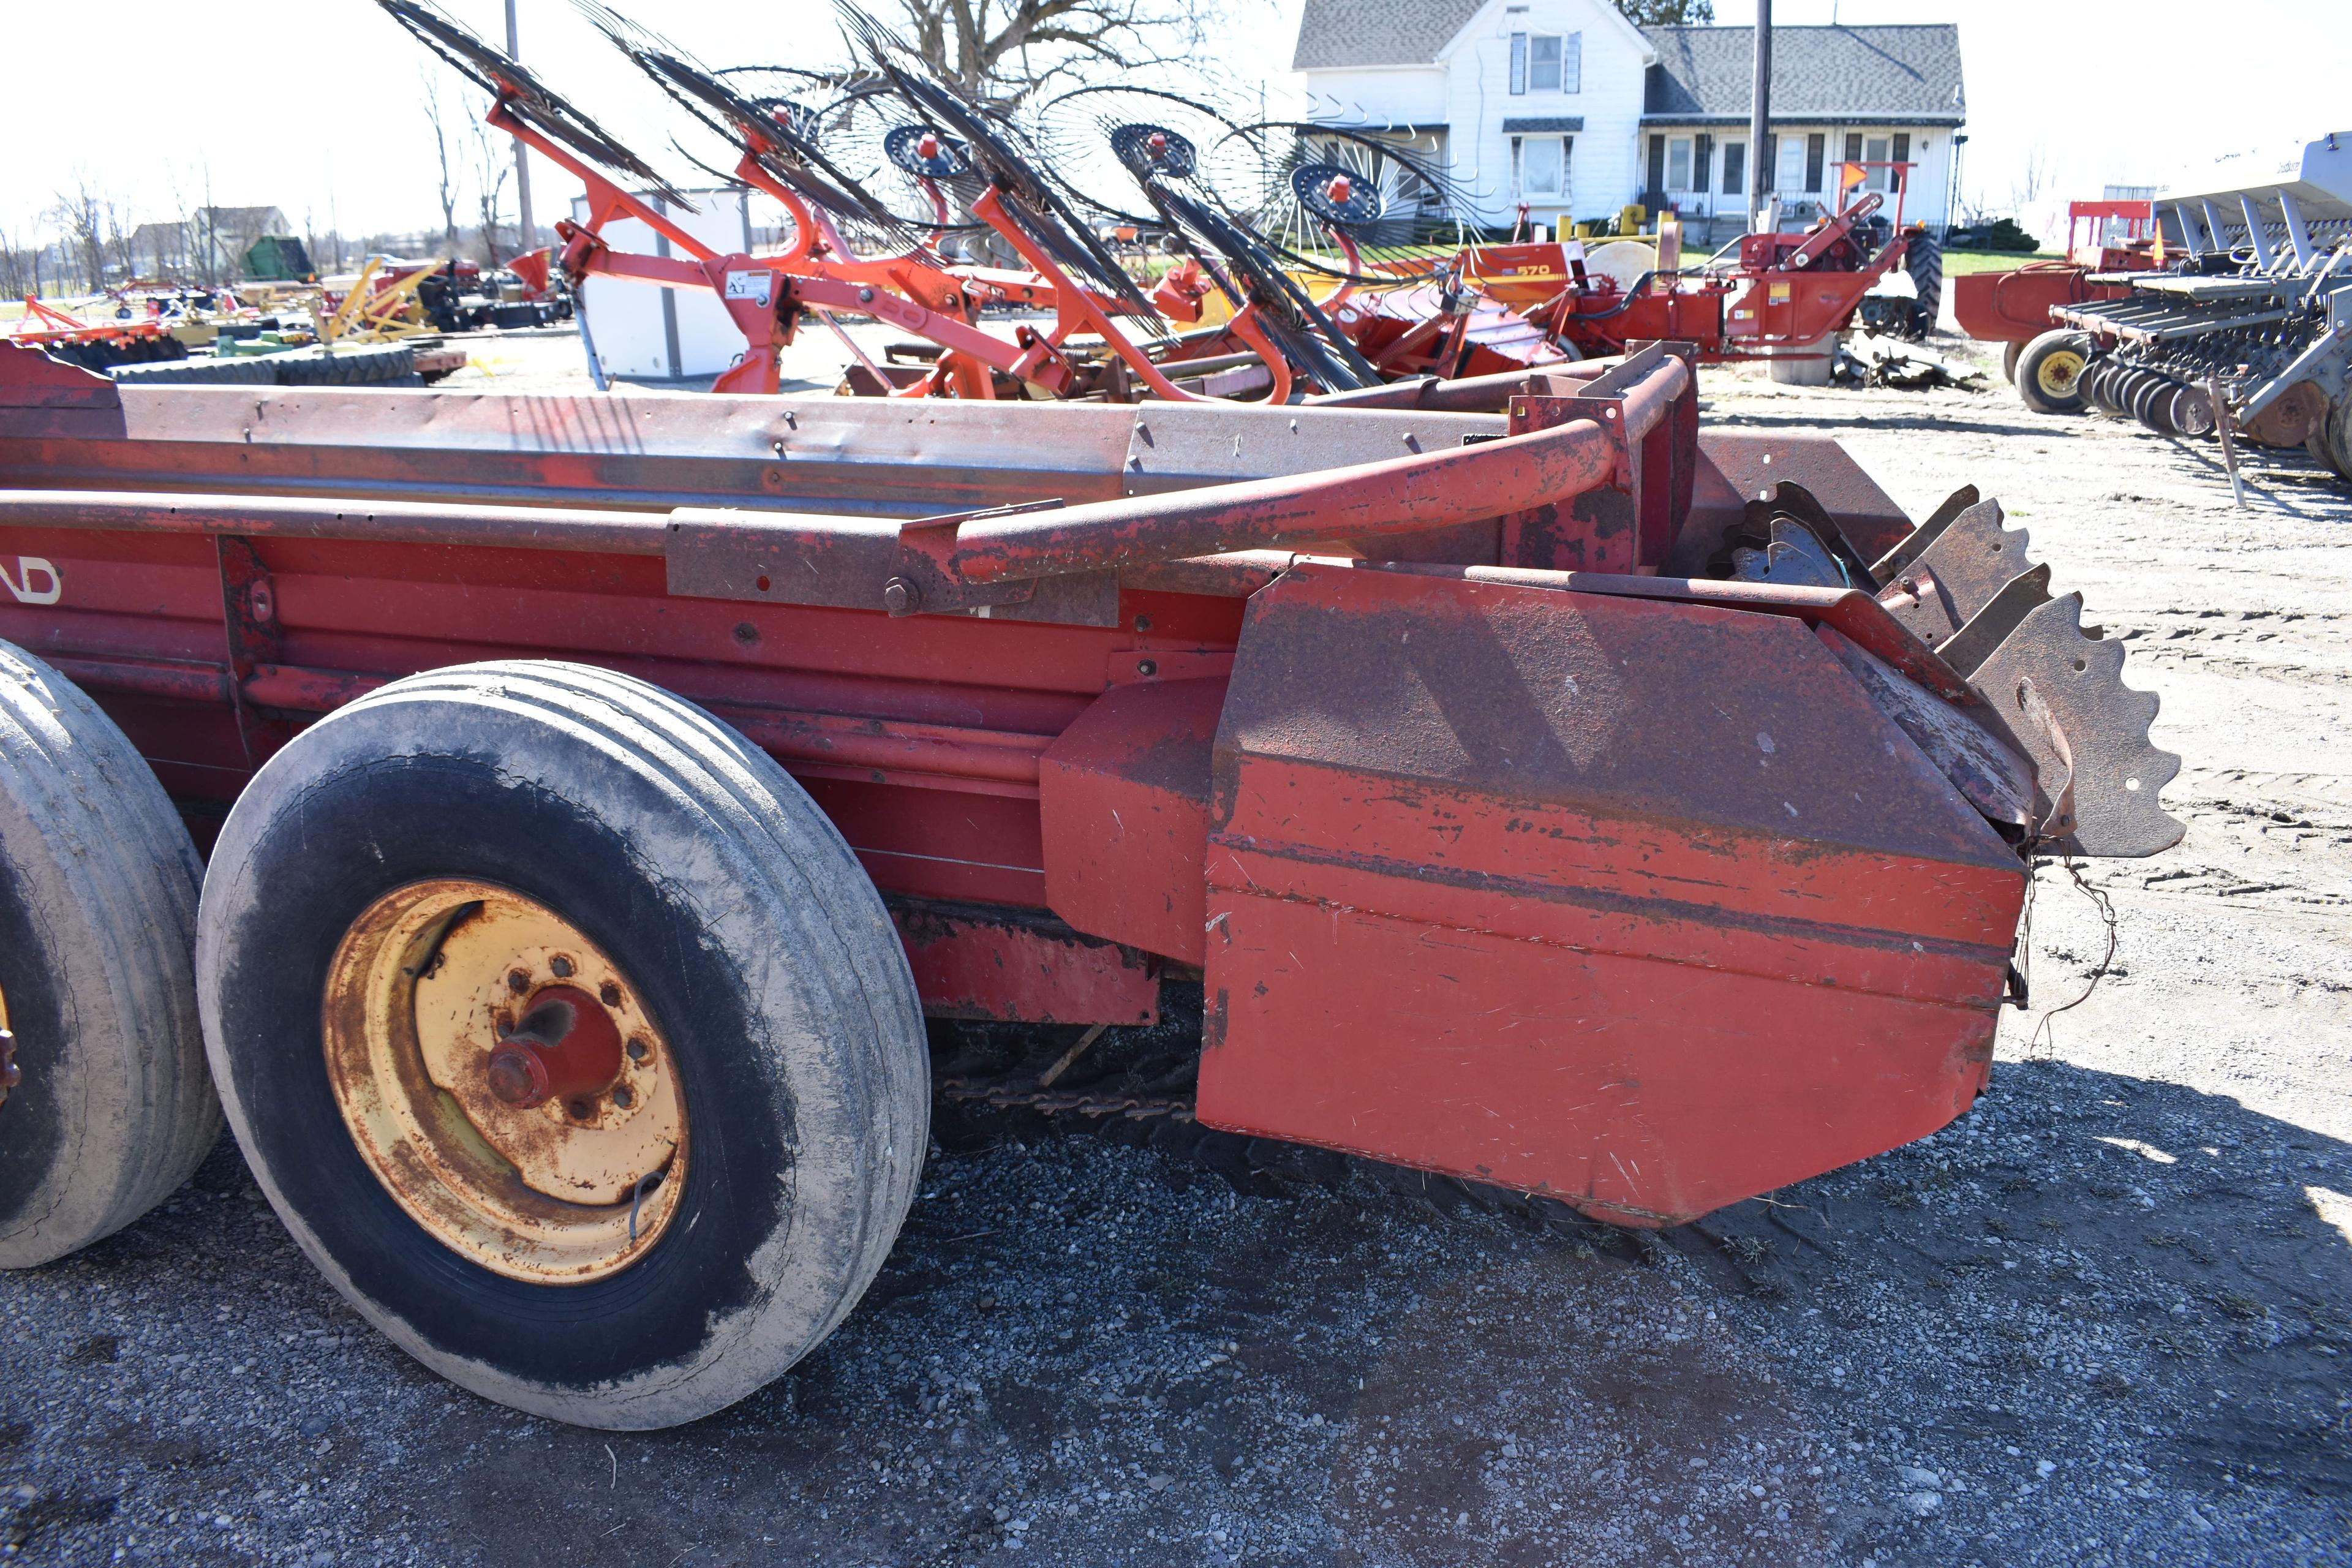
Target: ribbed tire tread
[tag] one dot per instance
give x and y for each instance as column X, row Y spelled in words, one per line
column 90, row 836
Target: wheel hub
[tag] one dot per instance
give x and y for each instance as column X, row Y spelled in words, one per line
column 500, row 1074
column 2059, row 371
column 566, row 1047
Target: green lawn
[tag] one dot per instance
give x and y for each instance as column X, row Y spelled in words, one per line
column 1957, row 262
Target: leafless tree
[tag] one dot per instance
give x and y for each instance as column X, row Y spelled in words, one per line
column 437, row 117
column 2033, row 181
column 493, row 167
column 16, row 267
column 1007, row 51
column 78, row 217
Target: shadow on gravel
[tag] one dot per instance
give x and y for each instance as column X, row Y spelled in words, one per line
column 1084, row 1353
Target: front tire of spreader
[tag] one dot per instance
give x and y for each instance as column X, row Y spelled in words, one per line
column 113, row 1109
column 567, row 1037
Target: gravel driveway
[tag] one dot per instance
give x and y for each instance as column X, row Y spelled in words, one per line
column 2105, row 1319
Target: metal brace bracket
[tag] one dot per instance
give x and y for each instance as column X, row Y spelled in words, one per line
column 249, row 620
column 925, row 577
column 1634, row 521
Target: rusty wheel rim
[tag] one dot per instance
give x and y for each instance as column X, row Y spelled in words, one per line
column 2058, row 372
column 502, row 1078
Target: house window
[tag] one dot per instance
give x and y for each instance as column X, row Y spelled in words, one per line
column 1539, row 168
column 1734, row 168
column 1546, row 62
column 1902, row 155
column 1702, row 150
column 1789, row 178
column 1816, row 153
column 1678, row 163
column 1874, row 150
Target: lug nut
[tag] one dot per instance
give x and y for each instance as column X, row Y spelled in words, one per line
column 609, row 995
column 623, row 1098
column 518, row 982
column 639, row 1050
column 562, row 965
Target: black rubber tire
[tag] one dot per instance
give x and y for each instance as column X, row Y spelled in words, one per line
column 2039, row 386
column 755, row 939
column 1922, row 259
column 98, row 924
column 257, row 370
column 2008, row 353
column 2330, row 441
column 348, row 367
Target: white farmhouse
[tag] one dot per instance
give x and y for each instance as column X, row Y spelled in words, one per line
column 1566, row 108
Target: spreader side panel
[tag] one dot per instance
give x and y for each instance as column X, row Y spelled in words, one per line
column 1642, row 905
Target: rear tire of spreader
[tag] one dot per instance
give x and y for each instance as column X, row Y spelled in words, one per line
column 98, row 923
column 2009, row 355
column 2050, row 372
column 403, row 895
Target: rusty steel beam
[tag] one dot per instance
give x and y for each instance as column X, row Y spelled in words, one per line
column 1398, row 495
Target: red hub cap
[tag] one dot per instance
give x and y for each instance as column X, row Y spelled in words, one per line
column 566, row 1047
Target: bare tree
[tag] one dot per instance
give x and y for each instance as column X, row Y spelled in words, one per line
column 17, row 269
column 436, row 116
column 2033, row 181
column 122, row 246
column 493, row 167
column 1006, row 50
column 78, row 216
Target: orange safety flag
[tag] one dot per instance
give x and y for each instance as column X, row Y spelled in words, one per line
column 1851, row 175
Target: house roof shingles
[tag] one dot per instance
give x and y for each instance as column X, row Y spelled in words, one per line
column 1705, row 74
column 1377, row 32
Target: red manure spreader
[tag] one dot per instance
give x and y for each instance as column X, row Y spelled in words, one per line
column 544, row 824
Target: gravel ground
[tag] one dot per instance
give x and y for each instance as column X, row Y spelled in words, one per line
column 2103, row 1318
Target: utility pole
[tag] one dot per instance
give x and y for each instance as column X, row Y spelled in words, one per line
column 529, row 236
column 1759, row 114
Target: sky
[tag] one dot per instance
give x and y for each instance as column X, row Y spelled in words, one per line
column 323, row 114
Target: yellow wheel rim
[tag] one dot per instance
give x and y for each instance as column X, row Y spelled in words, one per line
column 2058, row 372
column 435, row 993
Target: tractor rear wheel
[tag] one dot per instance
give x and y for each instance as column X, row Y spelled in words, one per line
column 1922, row 259
column 2050, row 372
column 567, row 1037
column 110, row 1107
